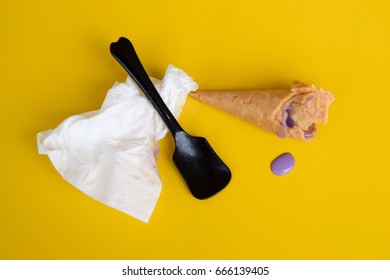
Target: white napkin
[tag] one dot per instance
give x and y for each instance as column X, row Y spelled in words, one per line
column 110, row 154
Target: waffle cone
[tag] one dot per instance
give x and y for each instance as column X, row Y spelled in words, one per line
column 285, row 112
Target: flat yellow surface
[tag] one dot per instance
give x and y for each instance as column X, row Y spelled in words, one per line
column 335, row 204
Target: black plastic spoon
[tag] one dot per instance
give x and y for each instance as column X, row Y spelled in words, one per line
column 203, row 171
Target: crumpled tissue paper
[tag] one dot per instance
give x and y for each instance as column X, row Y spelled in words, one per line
column 110, row 154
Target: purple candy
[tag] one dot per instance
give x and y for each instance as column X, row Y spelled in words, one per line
column 286, row 118
column 283, row 164
column 290, row 122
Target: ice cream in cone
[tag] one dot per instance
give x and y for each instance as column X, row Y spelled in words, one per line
column 288, row 112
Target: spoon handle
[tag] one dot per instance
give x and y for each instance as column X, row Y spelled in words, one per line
column 124, row 52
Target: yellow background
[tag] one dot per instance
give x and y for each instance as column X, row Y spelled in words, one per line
column 335, row 204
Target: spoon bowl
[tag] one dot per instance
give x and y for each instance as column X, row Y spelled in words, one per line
column 202, row 169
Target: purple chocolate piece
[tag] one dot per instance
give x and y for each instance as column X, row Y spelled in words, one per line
column 283, row 164
column 286, row 118
column 289, row 121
